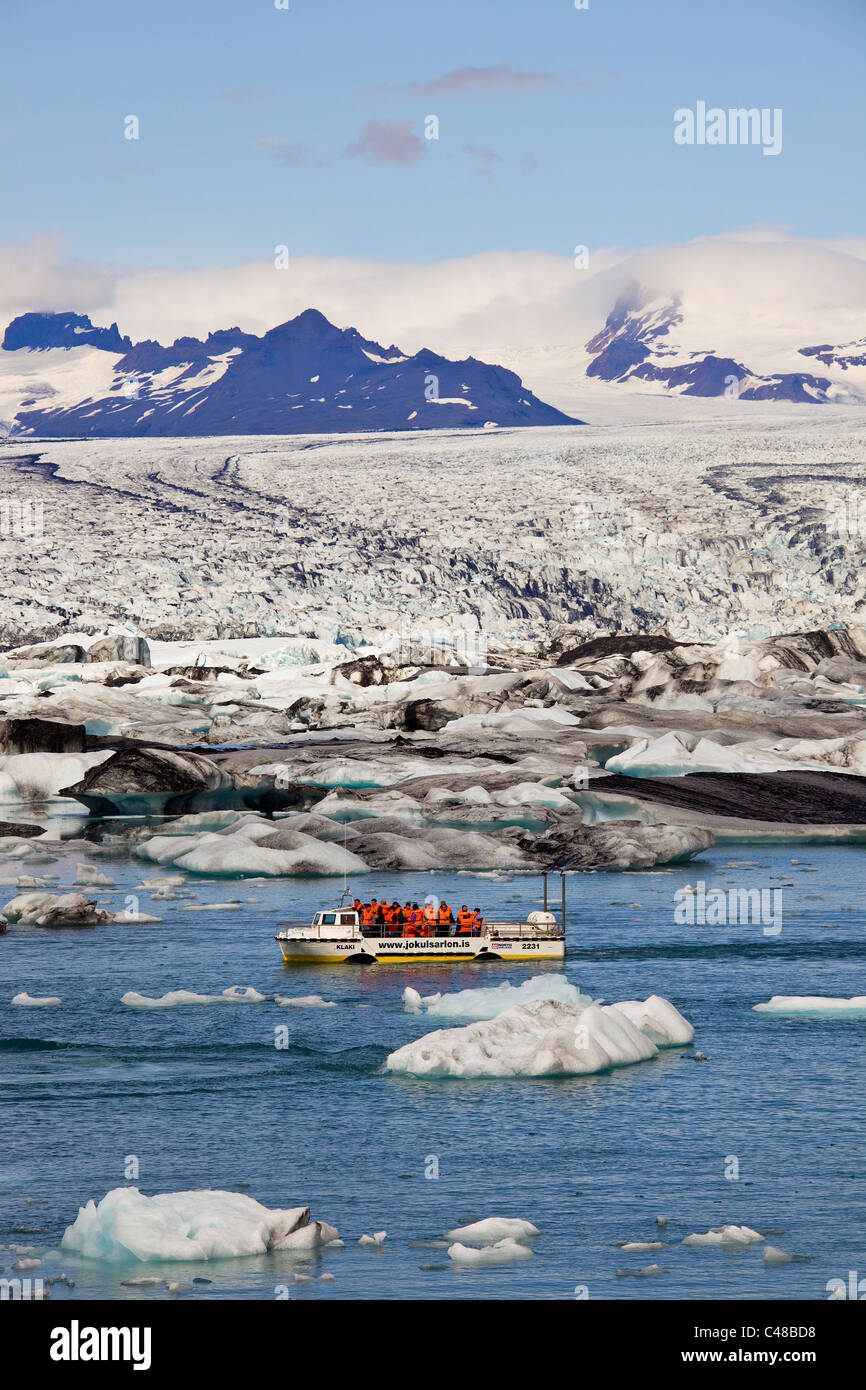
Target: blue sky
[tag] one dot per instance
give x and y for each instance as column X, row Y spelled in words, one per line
column 562, row 135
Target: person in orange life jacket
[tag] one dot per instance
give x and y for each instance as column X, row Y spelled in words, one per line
column 477, row 922
column 446, row 918
column 408, row 920
column 429, row 919
column 464, row 921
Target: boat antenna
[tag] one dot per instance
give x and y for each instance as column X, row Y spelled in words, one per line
column 345, row 869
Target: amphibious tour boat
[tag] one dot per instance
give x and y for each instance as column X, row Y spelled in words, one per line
column 340, row 934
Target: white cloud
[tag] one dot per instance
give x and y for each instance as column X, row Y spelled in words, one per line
column 750, row 293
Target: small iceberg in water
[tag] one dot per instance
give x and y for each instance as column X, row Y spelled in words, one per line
column 201, row 1225
column 813, row 1006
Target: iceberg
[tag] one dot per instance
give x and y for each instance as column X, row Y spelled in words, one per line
column 731, row 1236
column 472, row 1004
column 814, row 1006
column 238, row 852
column 492, row 1230
column 503, row 1252
column 27, row 777
column 545, row 1037
column 178, row 998
column 774, row 1256
column 55, row 910
column 206, row 1224
column 304, row 1001
column 374, row 1241
column 27, row 1001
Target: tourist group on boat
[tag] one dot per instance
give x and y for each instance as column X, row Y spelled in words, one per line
column 381, row 918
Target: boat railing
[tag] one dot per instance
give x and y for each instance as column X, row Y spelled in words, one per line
column 525, row 929
column 501, row 929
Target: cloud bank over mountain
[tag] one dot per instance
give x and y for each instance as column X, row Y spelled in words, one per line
column 758, row 299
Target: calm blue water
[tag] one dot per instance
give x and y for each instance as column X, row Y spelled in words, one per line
column 203, row 1098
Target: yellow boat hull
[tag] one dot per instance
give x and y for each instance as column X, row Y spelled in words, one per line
column 408, row 950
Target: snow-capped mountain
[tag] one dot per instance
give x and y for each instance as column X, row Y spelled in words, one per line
column 722, row 319
column 639, row 342
column 62, row 377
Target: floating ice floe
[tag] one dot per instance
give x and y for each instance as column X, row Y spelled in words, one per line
column 200, row 1225
column 55, row 910
column 814, row 1006
column 304, row 1001
column 128, row 918
column 90, row 876
column 234, row 905
column 547, row 1037
column 251, row 848
column 489, row 1003
column 178, row 998
column 506, row 1251
column 774, row 1256
column 492, row 1230
column 645, row 1272
column 376, row 1239
column 732, row 1236
column 27, row 1001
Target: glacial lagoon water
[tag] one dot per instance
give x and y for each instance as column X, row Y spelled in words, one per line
column 202, row 1097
